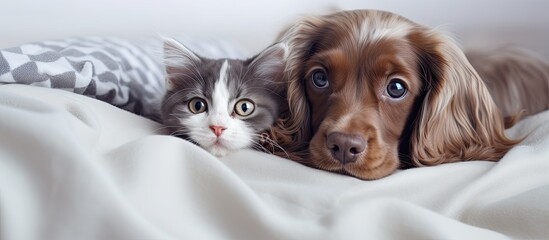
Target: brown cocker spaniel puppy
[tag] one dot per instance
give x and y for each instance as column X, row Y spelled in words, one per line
column 371, row 91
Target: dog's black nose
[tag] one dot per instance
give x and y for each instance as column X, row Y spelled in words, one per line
column 345, row 147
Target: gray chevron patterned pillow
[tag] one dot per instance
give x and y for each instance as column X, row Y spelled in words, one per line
column 127, row 74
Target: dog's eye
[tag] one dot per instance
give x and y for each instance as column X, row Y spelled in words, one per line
column 396, row 88
column 197, row 105
column 320, row 79
column 244, row 107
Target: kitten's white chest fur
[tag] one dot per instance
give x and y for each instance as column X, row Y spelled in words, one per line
column 235, row 133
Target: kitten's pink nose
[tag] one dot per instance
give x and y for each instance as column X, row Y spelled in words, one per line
column 218, row 130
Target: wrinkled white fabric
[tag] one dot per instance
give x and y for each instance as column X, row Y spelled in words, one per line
column 72, row 167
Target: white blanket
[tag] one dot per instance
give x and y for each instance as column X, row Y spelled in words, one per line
column 72, row 167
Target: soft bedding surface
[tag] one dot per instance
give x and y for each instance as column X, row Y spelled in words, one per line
column 73, row 167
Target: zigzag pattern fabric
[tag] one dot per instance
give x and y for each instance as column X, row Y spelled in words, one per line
column 123, row 73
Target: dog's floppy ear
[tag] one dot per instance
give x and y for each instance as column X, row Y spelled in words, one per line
column 293, row 130
column 457, row 119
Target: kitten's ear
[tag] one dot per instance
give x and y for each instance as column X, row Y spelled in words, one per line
column 179, row 61
column 270, row 63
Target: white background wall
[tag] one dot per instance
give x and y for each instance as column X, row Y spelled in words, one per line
column 256, row 23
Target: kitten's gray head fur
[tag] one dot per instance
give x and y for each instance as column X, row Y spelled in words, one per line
column 258, row 80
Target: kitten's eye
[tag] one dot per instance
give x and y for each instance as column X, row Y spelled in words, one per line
column 320, row 78
column 244, row 107
column 396, row 88
column 197, row 105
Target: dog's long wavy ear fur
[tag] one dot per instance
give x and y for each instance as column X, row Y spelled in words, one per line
column 458, row 119
column 293, row 130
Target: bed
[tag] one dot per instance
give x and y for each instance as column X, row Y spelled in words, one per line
column 83, row 164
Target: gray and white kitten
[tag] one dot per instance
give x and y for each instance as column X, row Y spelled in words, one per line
column 222, row 104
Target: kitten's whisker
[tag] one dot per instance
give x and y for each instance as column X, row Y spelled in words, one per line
column 258, row 146
column 188, row 139
column 169, row 126
column 179, row 132
column 271, row 142
column 162, row 128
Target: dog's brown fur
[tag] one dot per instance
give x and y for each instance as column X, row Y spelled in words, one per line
column 518, row 80
column 447, row 115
